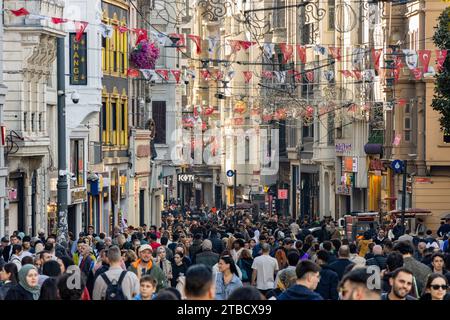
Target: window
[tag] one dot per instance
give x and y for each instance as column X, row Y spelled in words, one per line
column 113, row 121
column 32, row 121
column 25, row 120
column 331, row 14
column 104, row 122
column 279, row 14
column 41, row 126
column 330, row 128
column 407, row 123
column 159, row 116
column 77, row 162
column 123, row 123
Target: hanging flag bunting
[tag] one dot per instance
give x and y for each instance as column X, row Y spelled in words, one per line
column 132, row 73
column 440, row 59
column 191, row 73
column 267, row 74
column 212, row 44
column 358, row 74
column 198, row 42
column 180, row 40
column 148, row 73
column 287, row 50
column 247, row 76
column 141, row 35
column 205, row 74
column 231, row 74
column 369, row 75
column 246, row 44
column 398, row 138
column 335, row 53
column 58, row 20
column 281, row 76
column 417, row 73
column 106, row 30
column 357, row 56
column 235, row 45
column 411, row 58
column 297, row 75
column 80, row 26
column 218, row 75
column 398, row 62
column 346, row 73
column 122, row 29
column 401, row 102
column 310, row 76
column 20, row 12
column 269, row 48
column 329, row 75
column 161, row 37
column 396, row 73
column 301, row 52
column 376, row 55
column 163, row 73
column 424, row 57
column 176, row 74
column 320, row 49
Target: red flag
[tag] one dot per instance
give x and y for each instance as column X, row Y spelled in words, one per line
column 401, row 102
column 440, row 58
column 335, row 52
column 59, row 20
column 198, row 42
column 176, row 74
column 235, row 45
column 141, row 35
column 287, row 50
column 376, row 54
column 164, row 73
column 267, row 74
column 417, row 73
column 247, row 76
column 346, row 73
column 181, row 42
column 133, row 73
column 297, row 75
column 396, row 72
column 310, row 76
column 301, row 51
column 205, row 74
column 219, row 75
column 122, row 29
column 245, row 44
column 357, row 74
column 20, row 12
column 80, row 26
column 424, row 58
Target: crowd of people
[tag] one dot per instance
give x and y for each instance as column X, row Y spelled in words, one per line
column 223, row 255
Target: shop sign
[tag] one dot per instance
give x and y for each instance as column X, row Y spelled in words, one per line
column 423, row 180
column 187, row 178
column 343, row 190
column 343, row 147
column 376, row 164
column 78, row 60
column 78, row 196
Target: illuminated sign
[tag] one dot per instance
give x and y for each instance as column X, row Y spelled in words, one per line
column 78, row 60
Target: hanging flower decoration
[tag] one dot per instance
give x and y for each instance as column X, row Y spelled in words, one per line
column 145, row 54
column 240, row 107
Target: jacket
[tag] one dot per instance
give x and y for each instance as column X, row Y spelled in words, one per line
column 195, row 248
column 223, row 291
column 328, row 283
column 339, row 266
column 207, row 258
column 419, row 270
column 299, row 292
column 17, row 292
column 217, row 245
column 385, row 296
column 364, row 247
column 4, row 289
column 152, row 270
column 377, row 260
column 166, row 268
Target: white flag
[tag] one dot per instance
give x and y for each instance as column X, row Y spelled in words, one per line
column 369, row 75
column 269, row 49
column 281, row 76
column 212, row 44
column 357, row 56
column 411, row 58
column 160, row 37
column 148, row 73
column 106, row 30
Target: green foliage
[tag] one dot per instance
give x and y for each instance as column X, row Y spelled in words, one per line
column 441, row 99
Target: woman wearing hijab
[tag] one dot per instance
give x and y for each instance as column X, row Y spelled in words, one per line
column 28, row 287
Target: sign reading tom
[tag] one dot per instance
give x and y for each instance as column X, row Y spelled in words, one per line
column 78, row 60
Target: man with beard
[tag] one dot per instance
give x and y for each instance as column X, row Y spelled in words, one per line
column 401, row 283
column 355, row 286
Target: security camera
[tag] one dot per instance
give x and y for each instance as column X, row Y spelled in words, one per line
column 186, row 82
column 75, row 97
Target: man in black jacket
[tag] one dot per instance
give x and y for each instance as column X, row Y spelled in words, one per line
column 7, row 251
column 196, row 246
column 378, row 258
column 217, row 244
column 328, row 283
column 206, row 256
column 340, row 265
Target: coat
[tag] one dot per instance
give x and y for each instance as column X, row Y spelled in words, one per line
column 377, row 260
column 217, row 245
column 17, row 292
column 152, row 270
column 299, row 292
column 4, row 289
column 195, row 248
column 339, row 266
column 207, row 258
column 328, row 283
column 419, row 270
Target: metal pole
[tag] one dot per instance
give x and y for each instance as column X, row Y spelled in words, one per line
column 405, row 174
column 234, row 193
column 62, row 186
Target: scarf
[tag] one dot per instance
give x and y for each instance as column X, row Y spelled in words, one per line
column 35, row 291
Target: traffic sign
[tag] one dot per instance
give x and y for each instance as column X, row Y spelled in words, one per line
column 397, row 166
column 230, row 173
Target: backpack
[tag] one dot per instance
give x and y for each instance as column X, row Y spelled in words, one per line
column 114, row 289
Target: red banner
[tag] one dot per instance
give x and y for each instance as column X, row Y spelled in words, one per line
column 198, row 42
column 205, row 74
column 133, row 73
column 335, row 53
column 424, row 58
column 80, row 26
column 417, row 73
column 287, row 50
column 267, row 74
column 176, row 74
column 245, row 44
column 235, row 45
column 164, row 73
column 310, row 76
column 301, row 51
column 247, row 76
column 376, row 54
column 440, row 58
column 20, row 12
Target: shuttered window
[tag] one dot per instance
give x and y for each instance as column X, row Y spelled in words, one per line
column 159, row 116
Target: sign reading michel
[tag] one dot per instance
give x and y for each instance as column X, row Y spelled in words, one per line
column 78, row 60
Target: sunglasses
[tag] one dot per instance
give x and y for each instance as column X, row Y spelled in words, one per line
column 437, row 287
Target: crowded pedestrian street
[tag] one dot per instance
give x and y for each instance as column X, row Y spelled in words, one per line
column 224, row 150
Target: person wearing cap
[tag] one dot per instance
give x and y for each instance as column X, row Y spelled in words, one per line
column 145, row 265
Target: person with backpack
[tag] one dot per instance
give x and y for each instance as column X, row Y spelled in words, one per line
column 116, row 283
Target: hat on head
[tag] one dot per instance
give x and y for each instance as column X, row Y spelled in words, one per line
column 145, row 247
column 5, row 239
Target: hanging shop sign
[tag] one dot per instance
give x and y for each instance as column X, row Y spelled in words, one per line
column 375, row 165
column 78, row 196
column 78, row 60
column 343, row 190
column 343, row 147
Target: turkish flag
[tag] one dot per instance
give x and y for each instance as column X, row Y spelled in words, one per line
column 163, row 73
column 122, row 29
column 80, row 26
column 376, row 54
column 176, row 74
column 346, row 73
column 205, row 74
column 335, row 53
column 247, row 76
column 133, row 73
column 301, row 51
column 141, row 35
column 357, row 74
column 424, row 58
column 198, row 42
column 440, row 58
column 417, row 73
column 267, row 74
column 245, row 44
column 287, row 50
column 20, row 12
column 219, row 75
column 396, row 72
column 297, row 76
column 235, row 45
column 401, row 102
column 310, row 76
column 59, row 20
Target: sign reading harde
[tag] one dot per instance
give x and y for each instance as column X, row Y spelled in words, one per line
column 78, row 60
column 187, row 178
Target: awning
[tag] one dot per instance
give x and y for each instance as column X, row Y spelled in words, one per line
column 413, row 212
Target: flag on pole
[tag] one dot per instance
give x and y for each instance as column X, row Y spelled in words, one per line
column 56, row 20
